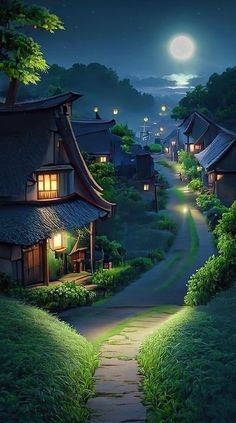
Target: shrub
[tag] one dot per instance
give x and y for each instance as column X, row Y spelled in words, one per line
column 214, row 215
column 156, row 255
column 113, row 250
column 195, row 184
column 142, row 263
column 46, row 367
column 164, row 222
column 113, row 278
column 162, row 198
column 6, row 282
column 206, row 201
column 227, row 225
column 55, row 298
column 155, row 148
column 210, row 279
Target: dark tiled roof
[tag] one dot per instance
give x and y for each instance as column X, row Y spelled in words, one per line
column 45, row 103
column 84, row 127
column 213, row 153
column 26, row 224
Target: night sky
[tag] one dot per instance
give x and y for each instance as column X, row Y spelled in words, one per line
column 132, row 36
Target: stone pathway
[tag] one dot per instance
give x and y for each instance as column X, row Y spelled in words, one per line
column 118, row 397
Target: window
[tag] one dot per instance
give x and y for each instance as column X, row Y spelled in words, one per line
column 103, row 159
column 146, row 187
column 191, row 148
column 47, row 186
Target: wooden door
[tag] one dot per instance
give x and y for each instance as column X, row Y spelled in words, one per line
column 33, row 264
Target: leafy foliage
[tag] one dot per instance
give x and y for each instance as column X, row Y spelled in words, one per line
column 113, row 278
column 214, row 215
column 46, row 369
column 164, row 222
column 113, row 250
column 21, row 57
column 219, row 271
column 189, row 164
column 54, row 298
column 207, row 200
column 189, row 365
column 104, row 175
column 127, row 135
column 195, row 184
column 155, row 148
column 217, row 99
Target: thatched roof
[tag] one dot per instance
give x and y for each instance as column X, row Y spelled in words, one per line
column 216, row 150
column 43, row 104
column 28, row 223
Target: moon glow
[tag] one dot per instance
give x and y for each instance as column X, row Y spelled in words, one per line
column 182, row 47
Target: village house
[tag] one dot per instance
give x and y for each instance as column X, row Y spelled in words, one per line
column 218, row 162
column 195, row 133
column 49, row 200
column 95, row 138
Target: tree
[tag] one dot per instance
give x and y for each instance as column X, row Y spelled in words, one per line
column 21, row 57
column 126, row 134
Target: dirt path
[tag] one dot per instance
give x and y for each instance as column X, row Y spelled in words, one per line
column 118, row 398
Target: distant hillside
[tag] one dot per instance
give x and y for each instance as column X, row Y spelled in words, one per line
column 99, row 85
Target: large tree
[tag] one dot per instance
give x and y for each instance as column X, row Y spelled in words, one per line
column 21, row 58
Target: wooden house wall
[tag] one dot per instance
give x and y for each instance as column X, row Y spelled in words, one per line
column 228, row 161
column 225, row 188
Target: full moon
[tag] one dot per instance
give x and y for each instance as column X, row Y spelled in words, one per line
column 182, row 47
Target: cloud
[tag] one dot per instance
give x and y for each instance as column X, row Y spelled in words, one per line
column 180, row 79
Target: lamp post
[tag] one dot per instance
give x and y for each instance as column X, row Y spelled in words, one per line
column 173, row 144
column 96, row 109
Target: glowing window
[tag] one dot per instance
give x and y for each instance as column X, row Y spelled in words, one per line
column 146, row 187
column 191, row 148
column 47, row 186
column 103, row 159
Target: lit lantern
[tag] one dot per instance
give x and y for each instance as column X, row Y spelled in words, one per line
column 173, row 143
column 146, row 187
column 167, row 150
column 219, row 176
column 145, row 119
column 103, row 159
column 96, row 109
column 115, row 111
column 58, row 242
column 191, row 148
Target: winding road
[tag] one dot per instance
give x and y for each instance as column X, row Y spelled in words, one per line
column 140, row 308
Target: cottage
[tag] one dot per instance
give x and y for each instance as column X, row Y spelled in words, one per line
column 95, row 138
column 195, row 133
column 218, row 162
column 48, row 198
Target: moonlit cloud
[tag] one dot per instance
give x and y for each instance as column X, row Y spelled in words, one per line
column 180, row 79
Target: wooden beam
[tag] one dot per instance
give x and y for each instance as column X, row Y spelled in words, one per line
column 91, row 244
column 45, row 262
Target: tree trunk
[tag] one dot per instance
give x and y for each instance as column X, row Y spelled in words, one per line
column 11, row 92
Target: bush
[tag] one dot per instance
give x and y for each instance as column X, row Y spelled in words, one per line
column 113, row 278
column 216, row 275
column 142, row 263
column 55, row 298
column 155, row 148
column 195, row 184
column 113, row 250
column 164, row 222
column 227, row 225
column 46, row 367
column 214, row 215
column 206, row 201
column 156, row 255
column 6, row 282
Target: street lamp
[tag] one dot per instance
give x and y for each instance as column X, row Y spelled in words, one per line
column 145, row 119
column 163, row 108
column 161, row 129
column 96, row 109
column 115, row 111
column 173, row 143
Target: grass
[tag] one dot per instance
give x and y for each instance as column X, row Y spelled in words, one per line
column 117, row 329
column 179, row 194
column 189, row 365
column 175, row 166
column 46, row 367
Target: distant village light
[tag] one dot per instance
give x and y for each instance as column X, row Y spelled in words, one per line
column 173, row 143
column 199, row 168
column 145, row 119
column 161, row 129
column 103, row 159
column 163, row 108
column 96, row 109
column 146, row 187
column 115, row 111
